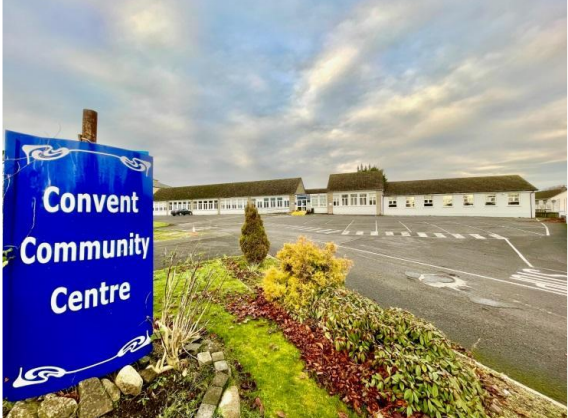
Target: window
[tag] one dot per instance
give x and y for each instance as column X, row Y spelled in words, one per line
column 279, row 202
column 266, row 202
column 354, row 199
column 448, row 201
column 372, row 199
column 344, row 200
column 468, row 200
column 323, row 200
column 272, row 202
column 363, row 199
column 514, row 199
column 428, row 201
column 410, row 202
column 392, row 202
column 490, row 200
column 335, row 200
column 286, row 203
column 170, row 204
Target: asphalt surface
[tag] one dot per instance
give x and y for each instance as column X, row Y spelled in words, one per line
column 497, row 286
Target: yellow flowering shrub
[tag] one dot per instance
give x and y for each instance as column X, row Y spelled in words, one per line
column 305, row 270
column 299, row 213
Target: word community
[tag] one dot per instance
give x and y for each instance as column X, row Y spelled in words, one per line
column 64, row 252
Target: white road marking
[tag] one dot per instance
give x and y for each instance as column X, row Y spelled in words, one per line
column 450, row 269
column 345, row 233
column 496, row 236
column 407, row 228
column 333, row 231
column 376, row 228
column 477, row 236
column 519, row 253
column 458, row 236
column 324, row 231
column 542, row 280
column 439, row 235
column 545, row 227
column 439, row 227
column 389, row 233
column 524, row 230
column 405, row 234
column 347, row 228
column 423, row 234
column 359, row 233
column 474, row 227
column 374, row 233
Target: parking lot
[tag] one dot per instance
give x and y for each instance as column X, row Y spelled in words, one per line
column 497, row 286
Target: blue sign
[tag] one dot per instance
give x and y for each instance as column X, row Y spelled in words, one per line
column 78, row 284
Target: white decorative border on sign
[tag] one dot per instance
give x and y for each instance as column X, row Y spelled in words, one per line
column 47, row 153
column 42, row 374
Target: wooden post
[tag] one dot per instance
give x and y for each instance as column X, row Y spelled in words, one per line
column 89, row 133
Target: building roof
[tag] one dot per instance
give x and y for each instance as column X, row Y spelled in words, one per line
column 369, row 180
column 159, row 184
column 243, row 189
column 512, row 183
column 547, row 194
column 315, row 191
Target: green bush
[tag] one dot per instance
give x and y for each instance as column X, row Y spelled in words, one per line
column 305, row 269
column 254, row 242
column 416, row 362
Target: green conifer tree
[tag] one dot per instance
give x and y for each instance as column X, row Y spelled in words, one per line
column 254, row 242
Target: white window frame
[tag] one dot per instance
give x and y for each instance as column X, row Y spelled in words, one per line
column 392, row 202
column 336, row 200
column 466, row 200
column 451, row 199
column 490, row 200
column 353, row 197
column 409, row 202
column 362, row 199
column 513, row 199
column 345, row 200
column 428, row 201
column 372, row 199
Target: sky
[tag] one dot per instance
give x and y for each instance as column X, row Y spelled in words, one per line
column 250, row 90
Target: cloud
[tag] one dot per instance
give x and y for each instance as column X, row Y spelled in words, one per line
column 261, row 90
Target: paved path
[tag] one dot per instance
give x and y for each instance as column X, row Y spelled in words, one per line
column 496, row 286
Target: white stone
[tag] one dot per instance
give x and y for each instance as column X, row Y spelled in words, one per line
column 230, row 406
column 129, row 381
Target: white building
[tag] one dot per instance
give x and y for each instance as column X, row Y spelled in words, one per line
column 362, row 193
column 552, row 201
column 497, row 196
column 358, row 193
column 269, row 196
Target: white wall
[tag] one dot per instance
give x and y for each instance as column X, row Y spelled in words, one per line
column 265, row 210
column 554, row 204
column 357, row 209
column 501, row 209
column 318, row 202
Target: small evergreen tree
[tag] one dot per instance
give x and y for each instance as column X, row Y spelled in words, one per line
column 254, row 242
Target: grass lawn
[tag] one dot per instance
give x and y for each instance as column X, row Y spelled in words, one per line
column 263, row 351
column 161, row 234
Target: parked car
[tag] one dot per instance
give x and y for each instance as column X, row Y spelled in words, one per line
column 181, row 212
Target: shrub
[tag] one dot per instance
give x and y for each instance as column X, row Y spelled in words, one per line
column 187, row 297
column 413, row 360
column 299, row 213
column 254, row 242
column 305, row 270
